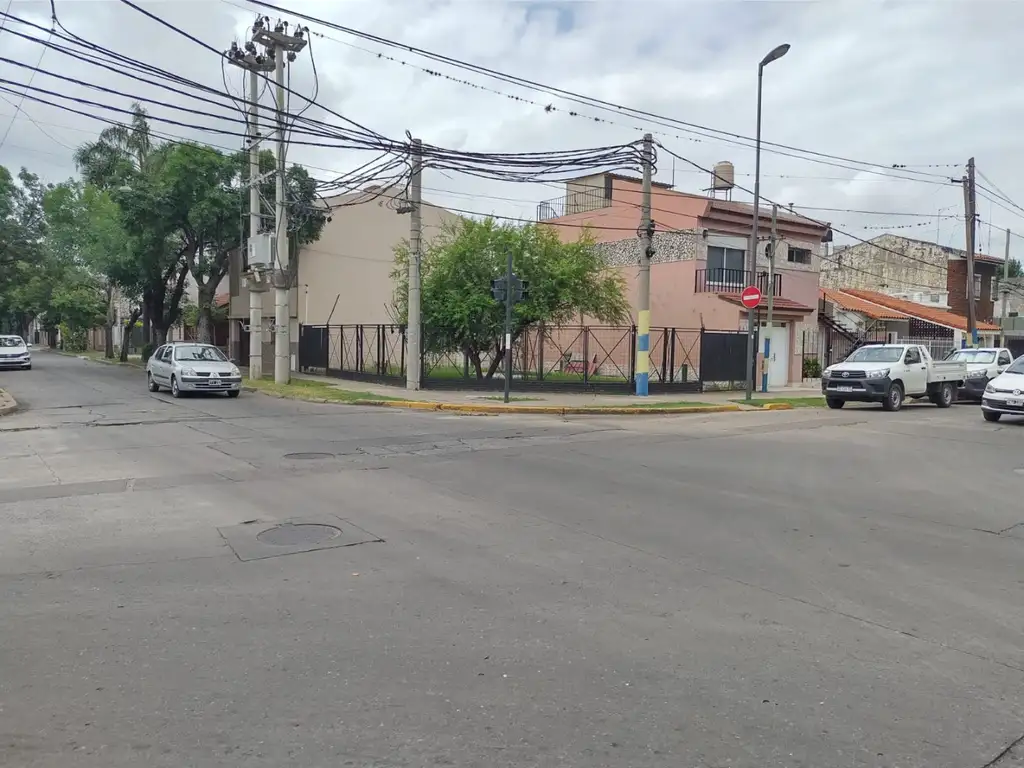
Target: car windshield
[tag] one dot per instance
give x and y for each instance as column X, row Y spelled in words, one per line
column 1016, row 367
column 11, row 341
column 973, row 356
column 876, row 355
column 199, row 353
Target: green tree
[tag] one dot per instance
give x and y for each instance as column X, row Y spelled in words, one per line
column 85, row 232
column 459, row 314
column 1015, row 268
column 23, row 267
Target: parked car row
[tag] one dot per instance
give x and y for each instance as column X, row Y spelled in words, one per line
column 891, row 373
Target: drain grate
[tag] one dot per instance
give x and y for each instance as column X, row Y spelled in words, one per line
column 308, row 456
column 301, row 535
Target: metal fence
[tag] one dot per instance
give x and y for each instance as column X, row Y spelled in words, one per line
column 568, row 358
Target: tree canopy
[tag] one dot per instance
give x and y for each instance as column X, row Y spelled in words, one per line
column 566, row 280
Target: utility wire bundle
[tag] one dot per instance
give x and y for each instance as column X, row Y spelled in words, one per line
column 221, row 106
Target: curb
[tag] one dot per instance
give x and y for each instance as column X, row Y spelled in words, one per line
column 551, row 410
column 7, row 403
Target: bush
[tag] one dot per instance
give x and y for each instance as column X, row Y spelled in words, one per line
column 147, row 351
column 73, row 339
column 811, row 368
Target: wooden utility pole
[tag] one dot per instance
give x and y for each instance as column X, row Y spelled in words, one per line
column 971, row 214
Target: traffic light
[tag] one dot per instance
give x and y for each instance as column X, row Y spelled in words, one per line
column 524, row 291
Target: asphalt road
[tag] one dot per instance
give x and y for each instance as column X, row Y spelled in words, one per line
column 804, row 588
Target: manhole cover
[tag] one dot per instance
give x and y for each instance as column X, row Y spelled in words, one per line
column 304, row 534
column 302, row 456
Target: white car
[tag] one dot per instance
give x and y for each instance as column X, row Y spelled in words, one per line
column 186, row 366
column 983, row 365
column 1004, row 395
column 15, row 353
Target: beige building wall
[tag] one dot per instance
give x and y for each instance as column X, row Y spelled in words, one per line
column 348, row 270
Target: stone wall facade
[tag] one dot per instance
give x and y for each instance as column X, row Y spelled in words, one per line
column 685, row 245
column 888, row 264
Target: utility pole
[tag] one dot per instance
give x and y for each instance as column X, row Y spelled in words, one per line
column 970, row 209
column 509, row 301
column 414, row 327
column 283, row 45
column 771, row 298
column 251, row 60
column 643, row 336
column 1005, row 291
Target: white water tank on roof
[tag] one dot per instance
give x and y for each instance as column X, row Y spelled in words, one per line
column 724, row 176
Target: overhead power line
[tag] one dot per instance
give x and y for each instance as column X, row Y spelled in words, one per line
column 593, row 102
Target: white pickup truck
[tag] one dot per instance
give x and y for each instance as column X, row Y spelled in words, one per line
column 890, row 373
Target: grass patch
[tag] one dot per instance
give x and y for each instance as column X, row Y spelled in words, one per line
column 306, row 389
column 674, row 404
column 796, row 402
column 501, row 398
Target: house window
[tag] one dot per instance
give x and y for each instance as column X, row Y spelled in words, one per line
column 725, row 265
column 933, row 298
column 798, row 255
column 977, row 286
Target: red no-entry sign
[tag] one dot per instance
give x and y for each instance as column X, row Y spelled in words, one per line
column 750, row 297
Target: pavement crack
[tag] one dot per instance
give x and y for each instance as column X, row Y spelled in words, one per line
column 995, row 761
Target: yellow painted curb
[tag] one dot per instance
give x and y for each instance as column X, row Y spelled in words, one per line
column 553, row 410
column 777, row 407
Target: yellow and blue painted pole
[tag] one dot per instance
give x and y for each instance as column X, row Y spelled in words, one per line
column 643, row 352
column 643, row 314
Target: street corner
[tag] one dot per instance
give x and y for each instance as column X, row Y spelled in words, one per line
column 7, row 403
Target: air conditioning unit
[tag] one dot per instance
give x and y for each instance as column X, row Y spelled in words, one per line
column 260, row 253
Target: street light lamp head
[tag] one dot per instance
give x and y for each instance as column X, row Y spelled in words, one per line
column 776, row 53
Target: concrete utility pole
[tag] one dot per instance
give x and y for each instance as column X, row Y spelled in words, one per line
column 643, row 336
column 771, row 298
column 414, row 327
column 249, row 59
column 970, row 209
column 282, row 44
column 1005, row 291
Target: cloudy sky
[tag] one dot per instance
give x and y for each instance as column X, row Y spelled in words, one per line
column 923, row 84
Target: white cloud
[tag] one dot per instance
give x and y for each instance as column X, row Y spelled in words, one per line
column 890, row 82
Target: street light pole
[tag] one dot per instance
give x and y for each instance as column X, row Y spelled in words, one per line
column 775, row 53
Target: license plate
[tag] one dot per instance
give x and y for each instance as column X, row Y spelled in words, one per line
column 214, row 382
column 844, row 389
column 1015, row 403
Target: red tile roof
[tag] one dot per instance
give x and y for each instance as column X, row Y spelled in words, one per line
column 861, row 307
column 918, row 311
column 783, row 305
column 222, row 299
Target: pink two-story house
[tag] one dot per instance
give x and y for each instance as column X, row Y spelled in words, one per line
column 698, row 268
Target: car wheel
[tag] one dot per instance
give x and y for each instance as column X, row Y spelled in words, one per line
column 894, row 397
column 233, row 393
column 151, row 385
column 175, row 392
column 944, row 397
column 834, row 404
column 991, row 416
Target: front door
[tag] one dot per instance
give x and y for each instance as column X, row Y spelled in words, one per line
column 778, row 361
column 915, row 374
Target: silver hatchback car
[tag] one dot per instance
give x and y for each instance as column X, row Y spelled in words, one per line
column 185, row 366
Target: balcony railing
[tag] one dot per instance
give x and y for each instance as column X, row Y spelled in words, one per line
column 577, row 201
column 732, row 281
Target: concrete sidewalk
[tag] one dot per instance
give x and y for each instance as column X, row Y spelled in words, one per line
column 559, row 399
